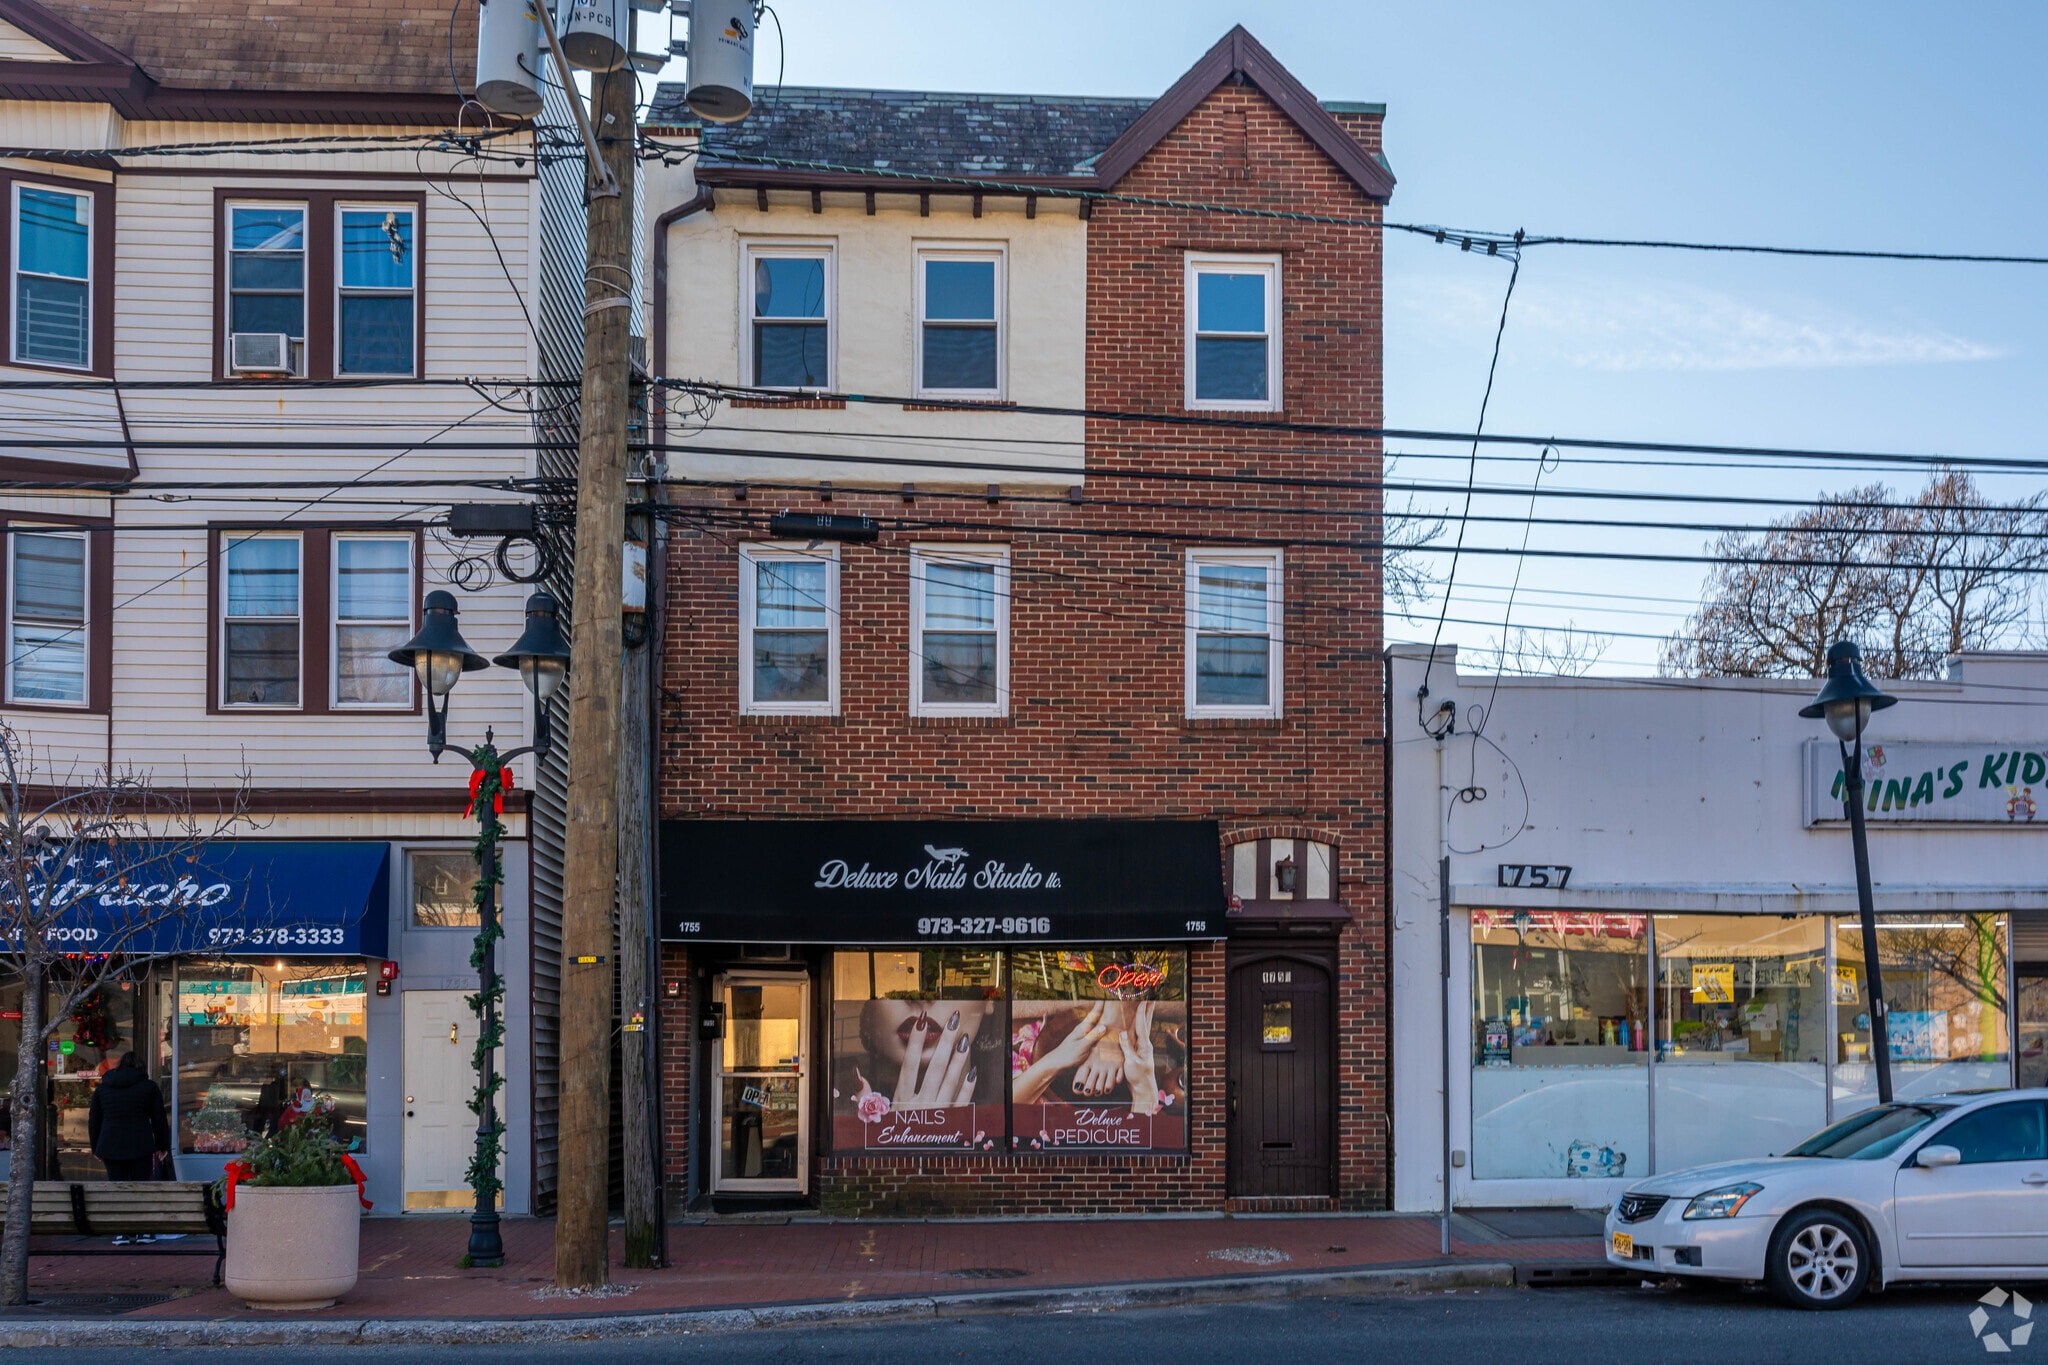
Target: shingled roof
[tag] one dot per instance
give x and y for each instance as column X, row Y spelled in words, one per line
column 912, row 130
column 1023, row 138
column 352, row 60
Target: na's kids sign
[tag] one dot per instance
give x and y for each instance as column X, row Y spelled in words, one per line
column 1994, row 783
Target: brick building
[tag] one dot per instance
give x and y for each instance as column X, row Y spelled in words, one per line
column 1028, row 858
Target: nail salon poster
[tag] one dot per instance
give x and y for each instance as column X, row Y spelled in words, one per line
column 1098, row 1050
column 918, row 1051
column 956, row 1050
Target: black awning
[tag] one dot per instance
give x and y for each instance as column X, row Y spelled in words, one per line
column 930, row 881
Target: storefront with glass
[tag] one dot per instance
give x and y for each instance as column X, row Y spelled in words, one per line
column 1626, row 937
column 1614, row 1045
column 247, row 1004
column 967, row 998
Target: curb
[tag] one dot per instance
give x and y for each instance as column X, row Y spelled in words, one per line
column 145, row 1333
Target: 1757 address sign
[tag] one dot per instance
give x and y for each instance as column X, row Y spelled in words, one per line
column 1551, row 876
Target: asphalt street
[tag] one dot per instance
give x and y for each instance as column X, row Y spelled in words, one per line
column 1568, row 1326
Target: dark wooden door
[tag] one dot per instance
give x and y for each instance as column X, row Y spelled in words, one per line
column 1282, row 1046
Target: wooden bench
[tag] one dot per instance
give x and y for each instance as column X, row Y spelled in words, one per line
column 127, row 1208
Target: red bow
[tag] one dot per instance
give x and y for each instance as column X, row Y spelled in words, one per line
column 236, row 1170
column 476, row 784
column 348, row 1164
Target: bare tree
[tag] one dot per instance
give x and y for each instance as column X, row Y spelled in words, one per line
column 98, row 879
column 1551, row 651
column 1913, row 583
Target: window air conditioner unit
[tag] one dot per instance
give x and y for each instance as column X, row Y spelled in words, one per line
column 260, row 353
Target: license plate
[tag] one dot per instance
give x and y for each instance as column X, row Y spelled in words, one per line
column 1625, row 1245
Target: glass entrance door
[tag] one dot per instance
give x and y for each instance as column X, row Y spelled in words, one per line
column 761, row 1096
column 2030, row 1025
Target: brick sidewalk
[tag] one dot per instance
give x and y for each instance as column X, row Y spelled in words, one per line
column 409, row 1265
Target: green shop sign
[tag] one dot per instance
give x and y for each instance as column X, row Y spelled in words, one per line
column 1993, row 783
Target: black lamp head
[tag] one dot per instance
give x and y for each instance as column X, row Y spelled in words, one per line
column 438, row 635
column 541, row 653
column 1848, row 698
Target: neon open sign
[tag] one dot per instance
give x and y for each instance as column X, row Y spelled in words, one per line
column 1125, row 979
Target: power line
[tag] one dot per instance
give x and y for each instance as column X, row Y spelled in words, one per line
column 1491, row 241
column 774, row 397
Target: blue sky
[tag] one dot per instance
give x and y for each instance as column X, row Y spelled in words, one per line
column 1894, row 126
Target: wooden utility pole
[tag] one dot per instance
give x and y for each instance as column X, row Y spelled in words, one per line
column 591, row 848
column 637, row 1103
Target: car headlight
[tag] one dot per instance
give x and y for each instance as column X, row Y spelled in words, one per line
column 1725, row 1202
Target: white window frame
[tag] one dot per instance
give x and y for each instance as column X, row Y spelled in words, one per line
column 996, row 253
column 335, row 620
column 1211, row 263
column 343, row 291
column 1276, row 615
column 922, row 556
column 227, row 304
column 228, row 540
column 15, row 271
column 14, row 534
column 782, row 249
column 770, row 552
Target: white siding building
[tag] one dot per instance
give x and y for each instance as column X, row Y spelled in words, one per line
column 264, row 322
column 1654, row 955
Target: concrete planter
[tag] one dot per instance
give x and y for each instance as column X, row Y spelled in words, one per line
column 293, row 1248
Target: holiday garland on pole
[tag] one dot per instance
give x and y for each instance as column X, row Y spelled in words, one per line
column 488, row 784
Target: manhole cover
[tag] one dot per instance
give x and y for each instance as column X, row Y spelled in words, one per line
column 86, row 1305
column 987, row 1272
column 1251, row 1255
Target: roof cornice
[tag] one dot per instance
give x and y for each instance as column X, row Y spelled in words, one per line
column 1240, row 54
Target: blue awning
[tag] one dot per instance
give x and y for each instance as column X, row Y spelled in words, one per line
column 233, row 898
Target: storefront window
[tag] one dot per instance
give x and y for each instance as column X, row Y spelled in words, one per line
column 443, row 890
column 1945, row 984
column 263, row 1046
column 1561, row 1044
column 1083, row 1049
column 917, row 1050
column 1741, row 1035
column 1098, row 1049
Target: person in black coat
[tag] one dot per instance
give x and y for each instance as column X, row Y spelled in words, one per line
column 126, row 1121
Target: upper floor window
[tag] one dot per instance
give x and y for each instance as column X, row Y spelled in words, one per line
column 46, row 617
column 308, row 618
column 267, row 283
column 789, row 631
column 52, row 276
column 260, row 615
column 1233, row 340
column 377, row 285
column 789, row 317
column 372, row 616
column 960, row 322
column 319, row 285
column 959, row 631
column 1233, row 634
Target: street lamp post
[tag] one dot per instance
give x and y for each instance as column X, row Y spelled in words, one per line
column 1846, row 703
column 440, row 656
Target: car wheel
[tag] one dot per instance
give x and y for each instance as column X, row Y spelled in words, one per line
column 1819, row 1258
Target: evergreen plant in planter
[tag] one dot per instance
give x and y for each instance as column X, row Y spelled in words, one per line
column 295, row 1204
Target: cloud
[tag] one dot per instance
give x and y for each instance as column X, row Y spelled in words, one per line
column 1620, row 325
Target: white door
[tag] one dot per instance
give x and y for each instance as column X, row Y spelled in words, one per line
column 760, row 1099
column 440, row 1079
column 1991, row 1211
